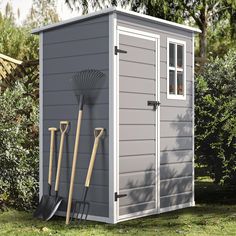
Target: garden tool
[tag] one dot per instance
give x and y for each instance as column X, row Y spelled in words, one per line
column 55, row 201
column 84, row 82
column 43, row 202
column 82, row 207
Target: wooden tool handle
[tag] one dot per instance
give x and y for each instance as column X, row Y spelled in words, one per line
column 72, row 178
column 63, row 127
column 98, row 132
column 52, row 130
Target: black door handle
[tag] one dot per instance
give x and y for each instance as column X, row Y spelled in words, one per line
column 154, row 104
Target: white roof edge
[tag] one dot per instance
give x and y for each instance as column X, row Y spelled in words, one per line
column 115, row 9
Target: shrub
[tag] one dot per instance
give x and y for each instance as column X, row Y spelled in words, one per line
column 215, row 118
column 18, row 148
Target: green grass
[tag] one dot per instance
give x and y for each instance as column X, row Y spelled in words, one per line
column 214, row 215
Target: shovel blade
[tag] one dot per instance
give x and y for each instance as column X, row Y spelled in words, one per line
column 52, row 205
column 41, row 207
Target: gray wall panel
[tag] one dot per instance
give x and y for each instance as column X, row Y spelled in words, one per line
column 175, row 170
column 75, row 64
column 85, row 145
column 168, row 157
column 68, row 112
column 137, row 132
column 176, row 200
column 91, row 29
column 64, row 82
column 176, row 143
column 136, row 180
column 96, row 96
column 137, row 196
column 136, row 208
column 179, row 114
column 136, row 117
column 67, row 50
column 176, row 129
column 137, row 85
column 129, row 164
column 140, row 147
column 174, row 186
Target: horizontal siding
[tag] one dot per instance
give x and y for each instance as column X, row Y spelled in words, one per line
column 75, row 64
column 91, row 29
column 175, row 200
column 176, row 129
column 101, row 192
column 83, row 47
column 177, row 114
column 141, row 147
column 87, row 127
column 136, row 208
column 175, row 186
column 168, row 157
column 137, row 196
column 67, row 112
column 176, row 143
column 143, row 163
column 99, row 177
column 128, row 181
column 101, row 162
column 176, row 170
column 64, row 82
column 96, row 209
column 66, row 51
column 85, row 145
column 137, row 132
column 96, row 96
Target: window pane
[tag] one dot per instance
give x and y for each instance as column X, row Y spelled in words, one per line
column 179, row 56
column 180, row 83
column 172, row 55
column 171, row 82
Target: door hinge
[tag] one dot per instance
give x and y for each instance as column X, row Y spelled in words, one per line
column 117, row 50
column 119, row 196
column 155, row 104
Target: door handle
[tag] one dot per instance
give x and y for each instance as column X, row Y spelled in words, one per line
column 154, row 104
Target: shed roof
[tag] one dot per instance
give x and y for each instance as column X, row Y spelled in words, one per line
column 114, row 10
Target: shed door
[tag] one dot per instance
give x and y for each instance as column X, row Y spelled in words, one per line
column 137, row 167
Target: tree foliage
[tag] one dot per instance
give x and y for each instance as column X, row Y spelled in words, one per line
column 215, row 120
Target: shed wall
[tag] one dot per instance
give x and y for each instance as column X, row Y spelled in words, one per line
column 67, row 50
column 176, row 154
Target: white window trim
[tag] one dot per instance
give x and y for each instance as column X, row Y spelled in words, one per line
column 175, row 96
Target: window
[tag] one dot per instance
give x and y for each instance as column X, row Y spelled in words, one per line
column 176, row 69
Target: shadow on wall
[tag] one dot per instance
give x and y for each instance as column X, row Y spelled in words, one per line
column 175, row 174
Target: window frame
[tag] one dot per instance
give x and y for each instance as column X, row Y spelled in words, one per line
column 175, row 69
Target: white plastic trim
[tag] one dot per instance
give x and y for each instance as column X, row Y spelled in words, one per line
column 176, row 207
column 112, row 120
column 41, row 115
column 114, row 10
column 175, row 96
column 193, row 118
column 90, row 217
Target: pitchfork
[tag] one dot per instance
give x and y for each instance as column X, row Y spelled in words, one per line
column 81, row 208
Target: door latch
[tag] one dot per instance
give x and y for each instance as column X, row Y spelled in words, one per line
column 155, row 104
column 117, row 50
column 119, row 196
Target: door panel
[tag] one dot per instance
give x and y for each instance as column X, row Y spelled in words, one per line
column 137, row 124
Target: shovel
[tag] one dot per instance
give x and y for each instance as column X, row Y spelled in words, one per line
column 82, row 207
column 55, row 201
column 43, row 202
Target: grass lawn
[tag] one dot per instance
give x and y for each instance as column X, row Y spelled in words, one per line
column 214, row 214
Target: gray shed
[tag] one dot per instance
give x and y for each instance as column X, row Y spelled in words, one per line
column 146, row 106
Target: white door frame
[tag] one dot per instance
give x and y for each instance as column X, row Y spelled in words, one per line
column 156, row 39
